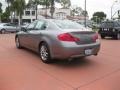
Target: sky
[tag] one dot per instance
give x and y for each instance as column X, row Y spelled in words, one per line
column 98, row 5
column 93, row 6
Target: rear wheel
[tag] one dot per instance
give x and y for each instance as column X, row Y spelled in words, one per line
column 118, row 36
column 45, row 53
column 17, row 43
column 102, row 36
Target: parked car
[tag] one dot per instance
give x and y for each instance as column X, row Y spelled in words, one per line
column 8, row 27
column 110, row 29
column 24, row 25
column 58, row 39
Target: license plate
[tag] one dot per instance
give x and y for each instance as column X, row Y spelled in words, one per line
column 106, row 29
column 88, row 52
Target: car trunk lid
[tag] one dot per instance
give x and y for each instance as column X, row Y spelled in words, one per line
column 86, row 37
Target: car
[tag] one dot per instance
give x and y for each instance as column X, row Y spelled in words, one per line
column 8, row 27
column 24, row 25
column 58, row 39
column 110, row 29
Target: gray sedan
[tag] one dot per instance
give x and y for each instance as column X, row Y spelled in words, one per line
column 8, row 27
column 58, row 39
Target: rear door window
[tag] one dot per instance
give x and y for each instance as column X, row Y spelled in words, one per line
column 31, row 26
column 41, row 25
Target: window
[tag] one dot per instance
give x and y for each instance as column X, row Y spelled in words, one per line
column 67, row 24
column 27, row 13
column 7, row 25
column 31, row 26
column 33, row 13
column 41, row 25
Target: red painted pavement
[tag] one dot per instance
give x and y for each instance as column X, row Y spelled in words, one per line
column 23, row 69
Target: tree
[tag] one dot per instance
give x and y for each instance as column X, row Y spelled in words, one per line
column 47, row 3
column 5, row 15
column 0, row 7
column 65, row 3
column 35, row 3
column 78, row 11
column 0, row 11
column 84, row 13
column 98, row 17
column 19, row 6
column 10, row 2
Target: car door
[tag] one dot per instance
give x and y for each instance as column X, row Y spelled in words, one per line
column 25, row 37
column 35, row 34
column 10, row 27
column 7, row 27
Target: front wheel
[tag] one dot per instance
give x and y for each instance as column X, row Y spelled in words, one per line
column 45, row 53
column 3, row 31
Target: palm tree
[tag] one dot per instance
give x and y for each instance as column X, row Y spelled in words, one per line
column 10, row 2
column 34, row 4
column 65, row 3
column 0, row 7
column 19, row 6
column 0, row 11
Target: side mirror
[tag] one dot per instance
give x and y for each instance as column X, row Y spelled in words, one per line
column 23, row 29
column 44, row 27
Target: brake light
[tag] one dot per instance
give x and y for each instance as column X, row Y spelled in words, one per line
column 95, row 37
column 68, row 37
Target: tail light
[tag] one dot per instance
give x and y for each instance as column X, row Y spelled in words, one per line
column 68, row 37
column 95, row 37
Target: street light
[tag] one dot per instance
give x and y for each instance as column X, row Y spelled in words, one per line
column 52, row 9
column 36, row 7
column 112, row 7
column 85, row 14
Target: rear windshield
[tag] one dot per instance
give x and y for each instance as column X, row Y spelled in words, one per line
column 67, row 24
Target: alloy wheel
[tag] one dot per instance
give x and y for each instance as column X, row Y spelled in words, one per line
column 45, row 53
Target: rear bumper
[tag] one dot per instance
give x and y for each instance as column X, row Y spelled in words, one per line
column 76, row 51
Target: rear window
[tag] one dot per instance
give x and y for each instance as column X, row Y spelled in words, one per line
column 67, row 24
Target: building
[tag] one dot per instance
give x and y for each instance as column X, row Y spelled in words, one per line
column 59, row 13
column 29, row 15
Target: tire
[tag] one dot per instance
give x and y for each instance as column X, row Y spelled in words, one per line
column 17, row 43
column 102, row 36
column 44, row 53
column 3, row 31
column 118, row 36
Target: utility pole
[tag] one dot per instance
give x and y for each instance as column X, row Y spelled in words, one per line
column 46, row 8
column 36, row 6
column 85, row 14
column 112, row 9
column 52, row 8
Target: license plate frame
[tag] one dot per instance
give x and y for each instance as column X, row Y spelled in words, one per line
column 88, row 51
